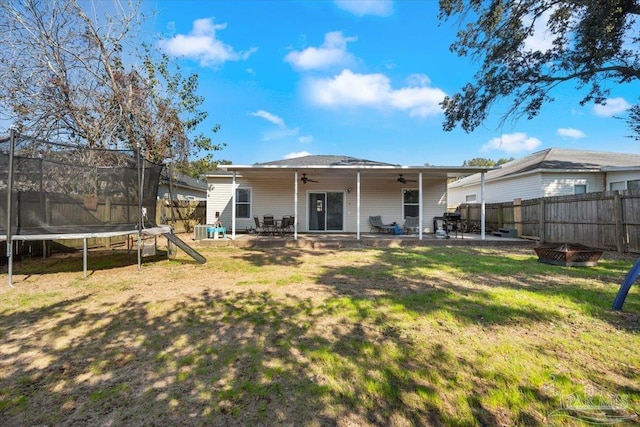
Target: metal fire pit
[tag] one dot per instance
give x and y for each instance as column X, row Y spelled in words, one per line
column 568, row 254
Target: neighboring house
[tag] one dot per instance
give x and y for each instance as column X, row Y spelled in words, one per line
column 329, row 193
column 551, row 172
column 181, row 187
column 622, row 177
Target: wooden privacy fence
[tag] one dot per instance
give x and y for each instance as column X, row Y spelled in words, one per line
column 607, row 220
column 182, row 215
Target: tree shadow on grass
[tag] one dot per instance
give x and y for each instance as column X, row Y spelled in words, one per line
column 277, row 256
column 219, row 358
column 236, row 358
column 96, row 261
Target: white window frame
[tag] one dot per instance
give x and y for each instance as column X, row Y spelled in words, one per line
column 417, row 204
column 471, row 198
column 580, row 185
column 634, row 181
column 617, row 185
column 250, row 202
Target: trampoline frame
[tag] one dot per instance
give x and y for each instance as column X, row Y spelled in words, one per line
column 137, row 229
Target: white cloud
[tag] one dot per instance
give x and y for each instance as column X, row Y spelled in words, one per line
column 612, row 107
column 280, row 133
column 305, row 139
column 332, row 52
column 274, row 134
column 202, row 45
column 366, row 7
column 512, row 143
column 571, row 133
column 298, row 154
column 375, row 91
column 541, row 40
column 269, row 117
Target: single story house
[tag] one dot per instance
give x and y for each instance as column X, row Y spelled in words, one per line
column 178, row 186
column 329, row 194
column 550, row 172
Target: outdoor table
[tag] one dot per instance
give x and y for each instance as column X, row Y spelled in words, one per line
column 214, row 232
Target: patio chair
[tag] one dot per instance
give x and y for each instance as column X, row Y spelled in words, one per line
column 283, row 226
column 377, row 225
column 411, row 224
column 269, row 224
column 259, row 227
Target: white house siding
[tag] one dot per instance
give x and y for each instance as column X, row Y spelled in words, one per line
column 219, row 200
column 379, row 196
column 384, row 197
column 180, row 193
column 505, row 190
column 563, row 184
column 621, row 177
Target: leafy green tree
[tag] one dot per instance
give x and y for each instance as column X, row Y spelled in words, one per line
column 593, row 44
column 197, row 168
column 480, row 161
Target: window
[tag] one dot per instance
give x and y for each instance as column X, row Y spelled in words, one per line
column 633, row 184
column 617, row 185
column 410, row 203
column 243, row 203
column 579, row 188
column 470, row 198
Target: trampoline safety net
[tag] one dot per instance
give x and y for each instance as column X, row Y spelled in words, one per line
column 64, row 189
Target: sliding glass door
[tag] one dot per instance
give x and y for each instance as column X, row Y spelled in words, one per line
column 326, row 211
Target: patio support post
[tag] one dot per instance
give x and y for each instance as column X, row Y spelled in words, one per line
column 295, row 205
column 358, row 206
column 482, row 208
column 419, row 205
column 233, row 207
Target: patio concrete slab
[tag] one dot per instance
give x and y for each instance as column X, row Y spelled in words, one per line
column 349, row 240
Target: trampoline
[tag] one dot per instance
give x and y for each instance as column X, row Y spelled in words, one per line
column 56, row 191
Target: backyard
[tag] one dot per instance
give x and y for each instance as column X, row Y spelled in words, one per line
column 424, row 336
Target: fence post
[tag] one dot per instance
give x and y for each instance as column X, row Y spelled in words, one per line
column 500, row 216
column 619, row 221
column 541, row 220
column 517, row 215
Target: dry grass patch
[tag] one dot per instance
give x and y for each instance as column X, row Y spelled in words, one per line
column 411, row 336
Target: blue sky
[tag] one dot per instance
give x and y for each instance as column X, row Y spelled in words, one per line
column 359, row 78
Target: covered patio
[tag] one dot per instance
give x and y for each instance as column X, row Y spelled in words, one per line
column 332, row 195
column 349, row 240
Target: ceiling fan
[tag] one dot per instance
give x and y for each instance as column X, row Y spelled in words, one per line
column 304, row 179
column 403, row 180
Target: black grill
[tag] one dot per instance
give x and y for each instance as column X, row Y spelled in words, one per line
column 452, row 216
column 452, row 222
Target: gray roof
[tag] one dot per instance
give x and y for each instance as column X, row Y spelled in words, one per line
column 346, row 163
column 559, row 159
column 182, row 180
column 324, row 161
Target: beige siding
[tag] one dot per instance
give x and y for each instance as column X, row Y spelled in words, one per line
column 621, row 176
column 505, row 190
column 379, row 196
column 563, row 184
column 528, row 187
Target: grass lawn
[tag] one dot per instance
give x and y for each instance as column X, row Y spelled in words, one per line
column 442, row 336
